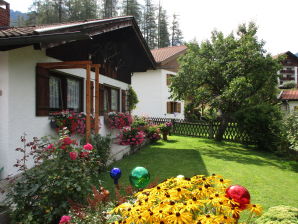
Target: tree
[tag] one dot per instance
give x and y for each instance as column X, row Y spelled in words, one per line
column 47, row 11
column 229, row 73
column 133, row 8
column 109, row 8
column 176, row 36
column 81, row 10
column 149, row 25
column 132, row 99
column 163, row 39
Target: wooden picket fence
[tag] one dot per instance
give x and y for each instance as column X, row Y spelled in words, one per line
column 204, row 129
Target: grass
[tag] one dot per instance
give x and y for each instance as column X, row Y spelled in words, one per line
column 270, row 180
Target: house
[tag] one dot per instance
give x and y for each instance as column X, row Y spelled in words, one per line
column 289, row 100
column 289, row 72
column 152, row 87
column 52, row 67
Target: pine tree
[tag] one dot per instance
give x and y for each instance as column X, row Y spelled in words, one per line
column 81, row 10
column 177, row 36
column 109, row 8
column 149, row 25
column 163, row 33
column 133, row 8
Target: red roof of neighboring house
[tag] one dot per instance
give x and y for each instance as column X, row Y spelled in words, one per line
column 289, row 95
column 163, row 54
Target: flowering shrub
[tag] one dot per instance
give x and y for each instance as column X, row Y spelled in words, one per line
column 198, row 199
column 61, row 173
column 94, row 211
column 74, row 122
column 119, row 120
column 166, row 127
column 140, row 123
column 131, row 136
column 153, row 133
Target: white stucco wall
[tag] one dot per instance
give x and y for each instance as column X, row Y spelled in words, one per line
column 4, row 80
column 153, row 94
column 17, row 103
column 292, row 105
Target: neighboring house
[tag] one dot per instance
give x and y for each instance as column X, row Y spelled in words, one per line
column 30, row 87
column 289, row 72
column 152, row 87
column 289, row 100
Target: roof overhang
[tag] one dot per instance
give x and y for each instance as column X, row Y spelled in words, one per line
column 52, row 36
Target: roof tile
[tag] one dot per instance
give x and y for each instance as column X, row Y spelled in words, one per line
column 289, row 95
column 163, row 54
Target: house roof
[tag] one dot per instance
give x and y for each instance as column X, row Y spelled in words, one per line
column 289, row 53
column 289, row 95
column 39, row 29
column 164, row 54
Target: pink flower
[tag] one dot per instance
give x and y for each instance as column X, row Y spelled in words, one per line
column 50, row 146
column 65, row 219
column 88, row 147
column 67, row 141
column 73, row 155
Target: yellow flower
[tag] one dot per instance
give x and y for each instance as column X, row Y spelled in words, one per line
column 179, row 217
column 257, row 209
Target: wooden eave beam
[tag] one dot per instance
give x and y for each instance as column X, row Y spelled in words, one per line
column 65, row 64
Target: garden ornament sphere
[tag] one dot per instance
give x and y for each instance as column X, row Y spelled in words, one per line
column 115, row 174
column 239, row 194
column 139, row 177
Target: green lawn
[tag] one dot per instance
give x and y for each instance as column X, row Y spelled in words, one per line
column 270, row 180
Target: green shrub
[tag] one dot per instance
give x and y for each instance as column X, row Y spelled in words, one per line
column 62, row 173
column 132, row 99
column 101, row 151
column 263, row 124
column 279, row 215
column 289, row 85
column 291, row 130
column 139, row 122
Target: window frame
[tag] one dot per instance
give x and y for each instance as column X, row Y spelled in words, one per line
column 63, row 91
column 43, row 91
column 106, row 90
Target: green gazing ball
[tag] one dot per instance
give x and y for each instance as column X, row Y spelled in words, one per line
column 139, row 177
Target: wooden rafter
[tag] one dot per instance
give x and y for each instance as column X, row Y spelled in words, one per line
column 88, row 66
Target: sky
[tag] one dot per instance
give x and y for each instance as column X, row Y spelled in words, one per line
column 276, row 19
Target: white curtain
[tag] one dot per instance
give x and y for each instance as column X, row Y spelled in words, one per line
column 54, row 84
column 114, row 100
column 73, row 94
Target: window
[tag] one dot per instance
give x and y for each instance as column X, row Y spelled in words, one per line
column 57, row 91
column 173, row 107
column 109, row 100
column 169, row 81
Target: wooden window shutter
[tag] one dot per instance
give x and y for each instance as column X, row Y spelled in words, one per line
column 42, row 91
column 101, row 100
column 178, row 108
column 92, row 97
column 169, row 108
column 123, row 100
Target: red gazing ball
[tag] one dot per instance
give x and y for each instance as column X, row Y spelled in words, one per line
column 239, row 194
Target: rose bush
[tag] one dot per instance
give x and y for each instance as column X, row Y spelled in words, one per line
column 61, row 174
